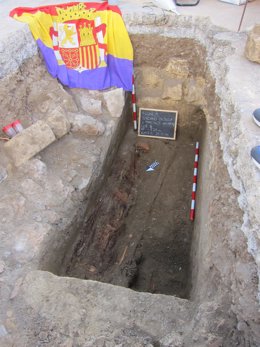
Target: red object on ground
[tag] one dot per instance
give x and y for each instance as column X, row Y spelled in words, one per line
column 9, row 130
column 194, row 185
column 17, row 126
column 134, row 104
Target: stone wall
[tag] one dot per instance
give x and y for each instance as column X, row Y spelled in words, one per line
column 174, row 79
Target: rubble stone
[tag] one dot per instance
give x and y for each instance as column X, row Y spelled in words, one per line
column 58, row 123
column 91, row 106
column 30, row 142
column 178, row 68
column 115, row 101
column 87, row 125
column 194, row 91
column 150, row 77
column 90, row 101
column 252, row 49
column 172, row 90
column 44, row 103
column 152, row 102
column 35, row 168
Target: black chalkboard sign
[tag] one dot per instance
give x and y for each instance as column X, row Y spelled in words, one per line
column 157, row 123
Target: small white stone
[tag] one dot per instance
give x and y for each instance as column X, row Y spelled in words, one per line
column 3, row 331
column 84, row 183
column 20, row 245
column 2, row 266
column 16, row 288
column 3, row 174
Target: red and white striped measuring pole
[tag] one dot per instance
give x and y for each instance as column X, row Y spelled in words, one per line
column 134, row 103
column 194, row 185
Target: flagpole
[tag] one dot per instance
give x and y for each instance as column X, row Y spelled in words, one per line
column 242, row 17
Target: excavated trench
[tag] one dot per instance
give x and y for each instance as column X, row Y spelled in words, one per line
column 137, row 232
column 71, row 212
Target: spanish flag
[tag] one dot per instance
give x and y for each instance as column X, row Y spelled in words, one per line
column 85, row 45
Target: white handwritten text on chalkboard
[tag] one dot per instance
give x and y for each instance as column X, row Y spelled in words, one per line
column 157, row 123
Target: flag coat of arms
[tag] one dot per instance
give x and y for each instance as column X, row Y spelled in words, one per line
column 85, row 45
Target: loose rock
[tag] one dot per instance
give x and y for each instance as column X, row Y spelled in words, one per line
column 172, row 90
column 252, row 49
column 87, row 125
column 178, row 68
column 58, row 123
column 91, row 106
column 31, row 141
column 115, row 102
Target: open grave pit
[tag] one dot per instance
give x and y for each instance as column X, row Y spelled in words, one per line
column 51, row 205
